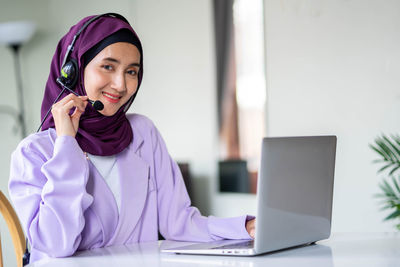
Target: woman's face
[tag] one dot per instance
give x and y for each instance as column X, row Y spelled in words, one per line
column 112, row 76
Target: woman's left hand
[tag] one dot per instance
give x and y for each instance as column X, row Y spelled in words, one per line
column 251, row 227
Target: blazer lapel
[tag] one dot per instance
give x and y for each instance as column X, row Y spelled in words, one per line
column 134, row 175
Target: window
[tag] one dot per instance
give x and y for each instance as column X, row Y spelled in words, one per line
column 242, row 91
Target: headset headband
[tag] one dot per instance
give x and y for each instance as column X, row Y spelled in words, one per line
column 87, row 23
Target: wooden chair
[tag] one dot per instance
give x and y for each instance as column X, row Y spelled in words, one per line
column 15, row 229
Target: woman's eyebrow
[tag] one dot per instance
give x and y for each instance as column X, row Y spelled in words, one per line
column 118, row 62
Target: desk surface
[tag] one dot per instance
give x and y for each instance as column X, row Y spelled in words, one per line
column 347, row 249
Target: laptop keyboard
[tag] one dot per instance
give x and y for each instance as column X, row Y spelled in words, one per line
column 246, row 245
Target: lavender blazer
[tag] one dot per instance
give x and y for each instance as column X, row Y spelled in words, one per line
column 65, row 205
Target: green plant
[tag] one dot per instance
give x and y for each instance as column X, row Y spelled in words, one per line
column 389, row 150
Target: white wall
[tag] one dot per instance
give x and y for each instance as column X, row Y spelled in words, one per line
column 333, row 67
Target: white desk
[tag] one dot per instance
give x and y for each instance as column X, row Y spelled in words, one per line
column 350, row 249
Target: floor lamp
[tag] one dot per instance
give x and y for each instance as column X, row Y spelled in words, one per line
column 14, row 35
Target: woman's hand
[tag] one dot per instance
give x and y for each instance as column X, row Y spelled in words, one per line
column 68, row 124
column 251, row 227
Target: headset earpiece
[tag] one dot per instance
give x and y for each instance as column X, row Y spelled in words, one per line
column 69, row 73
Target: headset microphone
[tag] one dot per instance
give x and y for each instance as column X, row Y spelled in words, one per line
column 97, row 105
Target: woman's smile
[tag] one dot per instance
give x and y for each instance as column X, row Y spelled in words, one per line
column 111, row 97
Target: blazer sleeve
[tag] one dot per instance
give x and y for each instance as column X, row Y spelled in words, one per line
column 178, row 220
column 50, row 196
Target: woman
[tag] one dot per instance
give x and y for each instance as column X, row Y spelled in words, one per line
column 99, row 178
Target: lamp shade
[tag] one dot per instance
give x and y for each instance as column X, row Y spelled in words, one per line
column 16, row 33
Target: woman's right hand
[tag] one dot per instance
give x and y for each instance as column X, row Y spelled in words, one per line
column 68, row 124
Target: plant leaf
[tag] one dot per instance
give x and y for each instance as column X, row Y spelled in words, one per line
column 379, row 195
column 384, row 167
column 396, row 184
column 390, row 153
column 386, row 188
column 393, row 215
column 393, row 170
column 380, row 146
column 385, row 149
column 396, row 139
column 393, row 148
column 379, row 152
column 385, row 208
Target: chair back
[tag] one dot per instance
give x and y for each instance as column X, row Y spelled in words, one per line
column 15, row 229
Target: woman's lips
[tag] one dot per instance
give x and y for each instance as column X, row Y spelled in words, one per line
column 112, row 98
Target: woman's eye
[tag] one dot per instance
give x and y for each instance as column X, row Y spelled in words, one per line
column 132, row 72
column 107, row 67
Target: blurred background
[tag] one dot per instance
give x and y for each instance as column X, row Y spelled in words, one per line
column 274, row 68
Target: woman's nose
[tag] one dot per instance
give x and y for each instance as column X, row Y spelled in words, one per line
column 119, row 82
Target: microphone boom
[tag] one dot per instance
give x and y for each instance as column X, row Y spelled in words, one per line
column 97, row 105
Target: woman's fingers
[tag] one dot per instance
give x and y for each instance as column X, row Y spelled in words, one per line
column 76, row 115
column 73, row 103
column 65, row 123
column 251, row 227
column 70, row 101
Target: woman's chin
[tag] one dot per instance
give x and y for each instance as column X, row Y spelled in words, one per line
column 107, row 113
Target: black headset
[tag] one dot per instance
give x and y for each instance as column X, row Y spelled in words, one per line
column 69, row 68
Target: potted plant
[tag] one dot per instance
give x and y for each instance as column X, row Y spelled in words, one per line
column 388, row 149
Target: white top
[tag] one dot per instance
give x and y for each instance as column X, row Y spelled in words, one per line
column 105, row 165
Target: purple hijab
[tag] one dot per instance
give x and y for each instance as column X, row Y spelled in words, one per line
column 97, row 134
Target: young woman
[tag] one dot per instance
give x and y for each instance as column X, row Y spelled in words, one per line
column 94, row 178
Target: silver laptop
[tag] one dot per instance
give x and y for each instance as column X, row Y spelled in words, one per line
column 294, row 198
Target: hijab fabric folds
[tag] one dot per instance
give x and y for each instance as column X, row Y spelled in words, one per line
column 97, row 134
